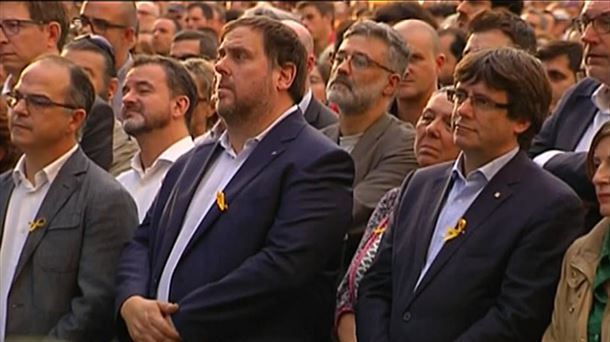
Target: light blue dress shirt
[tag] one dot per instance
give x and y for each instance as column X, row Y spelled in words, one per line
column 463, row 192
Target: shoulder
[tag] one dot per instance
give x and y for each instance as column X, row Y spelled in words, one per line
column 581, row 91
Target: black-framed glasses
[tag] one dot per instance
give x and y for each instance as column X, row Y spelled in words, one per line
column 99, row 41
column 357, row 60
column 12, row 27
column 478, row 102
column 34, row 101
column 97, row 25
column 601, row 23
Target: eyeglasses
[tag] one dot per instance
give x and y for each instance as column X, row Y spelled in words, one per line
column 601, row 23
column 33, row 101
column 357, row 60
column 12, row 27
column 186, row 57
column 478, row 102
column 99, row 42
column 97, row 25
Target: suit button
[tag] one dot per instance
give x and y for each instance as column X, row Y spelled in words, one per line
column 407, row 316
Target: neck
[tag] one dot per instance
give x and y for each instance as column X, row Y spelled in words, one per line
column 409, row 110
column 38, row 159
column 120, row 60
column 473, row 161
column 257, row 121
column 152, row 144
column 356, row 123
column 15, row 73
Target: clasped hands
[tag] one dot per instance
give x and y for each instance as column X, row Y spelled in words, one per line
column 149, row 319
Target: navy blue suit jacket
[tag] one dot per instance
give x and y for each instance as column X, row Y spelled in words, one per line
column 496, row 282
column 257, row 271
column 563, row 130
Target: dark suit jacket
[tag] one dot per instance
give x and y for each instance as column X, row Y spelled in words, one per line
column 64, row 281
column 255, row 272
column 96, row 140
column 563, row 130
column 495, row 283
column 318, row 115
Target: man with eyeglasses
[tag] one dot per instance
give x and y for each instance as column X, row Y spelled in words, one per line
column 116, row 21
column 477, row 256
column 194, row 44
column 63, row 220
column 366, row 71
column 562, row 144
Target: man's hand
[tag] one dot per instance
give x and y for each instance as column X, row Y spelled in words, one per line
column 148, row 320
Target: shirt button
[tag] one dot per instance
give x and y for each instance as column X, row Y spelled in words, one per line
column 407, row 316
column 571, row 309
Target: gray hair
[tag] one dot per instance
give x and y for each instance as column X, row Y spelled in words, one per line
column 398, row 54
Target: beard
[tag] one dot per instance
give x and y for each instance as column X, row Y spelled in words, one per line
column 352, row 98
column 237, row 110
column 142, row 121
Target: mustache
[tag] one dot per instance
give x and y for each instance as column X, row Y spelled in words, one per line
column 130, row 107
column 343, row 80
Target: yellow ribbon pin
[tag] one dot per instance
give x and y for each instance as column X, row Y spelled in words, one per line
column 220, row 201
column 452, row 233
column 39, row 223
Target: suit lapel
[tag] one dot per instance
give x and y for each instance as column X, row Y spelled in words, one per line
column 312, row 112
column 493, row 195
column 367, row 140
column 272, row 145
column 64, row 185
column 580, row 123
column 7, row 185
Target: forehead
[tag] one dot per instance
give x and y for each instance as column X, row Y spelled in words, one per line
column 243, row 37
column 309, row 10
column 488, row 39
column 440, row 103
column 368, row 45
column 195, row 12
column 188, row 45
column 419, row 42
column 147, row 73
column 14, row 10
column 593, row 8
column 164, row 23
column 44, row 78
column 84, row 58
column 482, row 89
column 103, row 10
column 559, row 62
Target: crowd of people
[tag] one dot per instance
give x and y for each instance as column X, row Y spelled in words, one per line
column 308, row 171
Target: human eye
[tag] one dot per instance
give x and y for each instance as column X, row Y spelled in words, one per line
column 101, row 24
column 39, row 100
column 11, row 25
column 360, row 60
column 481, row 102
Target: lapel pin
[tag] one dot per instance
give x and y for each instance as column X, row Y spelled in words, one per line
column 220, row 201
column 36, row 224
column 452, row 233
column 273, row 153
column 497, row 195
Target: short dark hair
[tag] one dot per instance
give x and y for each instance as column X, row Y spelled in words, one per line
column 177, row 79
column 233, row 14
column 326, row 8
column 603, row 132
column 519, row 32
column 87, row 45
column 206, row 9
column 556, row 48
column 514, row 6
column 395, row 12
column 442, row 9
column 50, row 11
column 282, row 46
column 459, row 41
column 208, row 44
column 79, row 92
column 528, row 89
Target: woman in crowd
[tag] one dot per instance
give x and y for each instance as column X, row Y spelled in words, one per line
column 433, row 145
column 582, row 305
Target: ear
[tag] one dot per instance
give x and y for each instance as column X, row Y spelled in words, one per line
column 311, row 63
column 131, row 37
column 77, row 121
column 285, row 76
column 112, row 88
column 521, row 125
column 440, row 61
column 53, row 34
column 180, row 106
column 390, row 89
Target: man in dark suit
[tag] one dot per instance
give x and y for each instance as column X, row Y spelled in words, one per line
column 316, row 113
column 63, row 219
column 239, row 241
column 475, row 246
column 562, row 144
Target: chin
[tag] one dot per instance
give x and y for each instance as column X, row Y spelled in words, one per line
column 604, row 210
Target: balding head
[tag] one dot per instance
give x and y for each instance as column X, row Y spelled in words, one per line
column 412, row 27
column 302, row 33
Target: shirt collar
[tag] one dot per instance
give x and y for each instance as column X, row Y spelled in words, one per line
column 169, row 156
column 489, row 170
column 47, row 174
column 7, row 86
column 304, row 104
column 226, row 144
column 122, row 72
column 601, row 98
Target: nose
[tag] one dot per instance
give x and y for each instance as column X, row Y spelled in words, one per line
column 3, row 37
column 602, row 174
column 221, row 66
column 589, row 36
column 463, row 109
column 433, row 128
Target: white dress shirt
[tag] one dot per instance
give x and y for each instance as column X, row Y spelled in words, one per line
column 601, row 99
column 23, row 206
column 143, row 185
column 219, row 174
